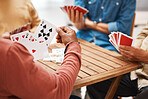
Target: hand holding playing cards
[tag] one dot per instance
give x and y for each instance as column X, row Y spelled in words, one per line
column 134, row 54
column 18, row 30
column 76, row 17
column 65, row 35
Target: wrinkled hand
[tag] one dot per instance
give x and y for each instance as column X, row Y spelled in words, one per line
column 65, row 35
column 76, row 18
column 134, row 54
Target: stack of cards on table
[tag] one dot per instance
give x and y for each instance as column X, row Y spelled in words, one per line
column 118, row 38
column 37, row 43
column 56, row 55
column 80, row 9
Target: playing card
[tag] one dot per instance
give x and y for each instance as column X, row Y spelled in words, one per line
column 113, row 44
column 118, row 38
column 20, row 29
column 58, row 51
column 20, row 36
column 63, row 9
column 125, row 40
column 45, row 32
column 80, row 9
column 56, row 55
column 115, row 37
column 38, row 50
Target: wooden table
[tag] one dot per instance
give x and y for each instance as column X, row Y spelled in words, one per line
column 98, row 64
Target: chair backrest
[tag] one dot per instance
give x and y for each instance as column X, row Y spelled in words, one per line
column 133, row 24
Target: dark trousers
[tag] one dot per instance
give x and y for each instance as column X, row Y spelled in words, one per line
column 126, row 88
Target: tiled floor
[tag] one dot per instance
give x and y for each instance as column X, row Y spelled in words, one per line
column 50, row 11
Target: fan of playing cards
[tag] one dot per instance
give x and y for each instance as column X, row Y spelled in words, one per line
column 80, row 9
column 37, row 43
column 118, row 38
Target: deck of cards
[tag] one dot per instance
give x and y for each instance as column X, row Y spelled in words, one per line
column 118, row 38
column 37, row 43
column 80, row 9
column 56, row 55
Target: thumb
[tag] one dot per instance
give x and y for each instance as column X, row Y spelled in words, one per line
column 60, row 32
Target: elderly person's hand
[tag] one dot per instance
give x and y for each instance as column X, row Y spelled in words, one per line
column 66, row 35
column 76, row 18
column 134, row 54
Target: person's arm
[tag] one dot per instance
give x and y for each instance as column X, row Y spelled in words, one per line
column 123, row 22
column 102, row 27
column 34, row 18
column 140, row 37
column 134, row 54
column 26, row 79
column 124, row 18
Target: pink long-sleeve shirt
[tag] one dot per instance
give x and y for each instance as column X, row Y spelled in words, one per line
column 23, row 78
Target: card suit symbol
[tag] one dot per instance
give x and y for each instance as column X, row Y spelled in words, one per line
column 17, row 38
column 32, row 40
column 39, row 35
column 44, row 34
column 33, row 51
column 13, row 39
column 50, row 30
column 42, row 31
column 48, row 34
column 27, row 35
column 23, row 36
column 46, row 38
column 44, row 26
column 41, row 41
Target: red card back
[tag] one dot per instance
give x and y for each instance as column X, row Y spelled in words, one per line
column 125, row 40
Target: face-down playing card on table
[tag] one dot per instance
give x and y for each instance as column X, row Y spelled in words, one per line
column 45, row 32
column 118, row 38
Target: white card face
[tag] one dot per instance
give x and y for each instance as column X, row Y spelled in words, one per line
column 45, row 32
column 38, row 50
column 20, row 37
column 58, row 51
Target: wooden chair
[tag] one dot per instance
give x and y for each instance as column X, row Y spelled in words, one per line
column 132, row 28
column 133, row 25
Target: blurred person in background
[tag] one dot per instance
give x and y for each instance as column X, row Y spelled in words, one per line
column 139, row 53
column 17, row 13
column 104, row 17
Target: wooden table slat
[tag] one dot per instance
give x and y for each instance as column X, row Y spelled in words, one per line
column 103, row 60
column 92, row 66
column 106, row 75
column 105, row 56
column 116, row 55
column 100, row 64
column 87, row 70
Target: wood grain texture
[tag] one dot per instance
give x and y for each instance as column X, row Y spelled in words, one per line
column 98, row 64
